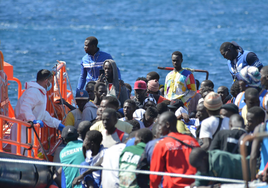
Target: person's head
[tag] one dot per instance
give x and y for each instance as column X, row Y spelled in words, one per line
column 44, row 78
column 149, row 101
column 155, row 129
column 143, row 79
column 201, row 112
column 109, row 119
column 128, row 86
column 252, row 98
column 109, row 102
column 143, row 135
column 129, row 108
column 167, row 123
column 235, row 89
column 206, row 83
column 175, row 104
column 199, row 159
column 81, row 99
column 153, row 87
column 228, row 51
column 82, row 128
column 149, row 116
column 227, row 110
column 108, row 69
column 205, row 91
column 177, row 60
column 91, row 44
column 223, row 92
column 93, row 141
column 162, row 107
column 100, row 90
column 135, row 124
column 264, row 77
column 152, row 76
column 69, row 133
column 255, row 116
column 236, row 121
column 90, row 90
column 140, row 89
column 213, row 103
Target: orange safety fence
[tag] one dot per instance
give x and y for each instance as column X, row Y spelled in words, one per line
column 32, row 144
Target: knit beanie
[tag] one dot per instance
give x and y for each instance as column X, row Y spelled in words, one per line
column 213, row 101
column 153, row 85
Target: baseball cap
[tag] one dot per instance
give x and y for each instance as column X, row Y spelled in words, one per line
column 140, row 84
column 175, row 103
column 82, row 94
column 230, row 107
column 69, row 132
column 213, row 101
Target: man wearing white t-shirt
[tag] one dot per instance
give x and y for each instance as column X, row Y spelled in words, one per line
column 211, row 125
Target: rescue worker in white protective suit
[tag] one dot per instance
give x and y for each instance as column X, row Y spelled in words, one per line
column 31, row 106
column 86, row 110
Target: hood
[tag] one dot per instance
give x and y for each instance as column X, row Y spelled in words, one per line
column 34, row 84
column 115, row 83
column 90, row 104
column 240, row 49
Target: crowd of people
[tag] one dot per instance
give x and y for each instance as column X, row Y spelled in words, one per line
column 183, row 127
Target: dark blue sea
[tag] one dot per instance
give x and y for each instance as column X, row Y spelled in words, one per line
column 140, row 34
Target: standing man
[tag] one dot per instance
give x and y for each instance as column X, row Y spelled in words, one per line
column 31, row 106
column 92, row 62
column 238, row 58
column 168, row 151
column 180, row 83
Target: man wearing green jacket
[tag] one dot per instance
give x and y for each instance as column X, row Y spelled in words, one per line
column 130, row 157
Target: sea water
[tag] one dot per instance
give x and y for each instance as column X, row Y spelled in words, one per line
column 140, row 35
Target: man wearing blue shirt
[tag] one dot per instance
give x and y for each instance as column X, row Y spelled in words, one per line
column 92, row 62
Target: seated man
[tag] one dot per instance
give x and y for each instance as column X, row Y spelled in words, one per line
column 92, row 142
column 153, row 91
column 82, row 129
column 216, row 163
column 100, row 91
column 180, row 83
column 111, row 135
column 130, row 156
column 129, row 108
column 168, row 151
column 86, row 110
column 224, row 93
column 111, row 102
column 149, row 117
column 70, row 154
column 92, row 62
column 115, row 86
column 90, row 90
column 140, row 89
column 228, row 140
column 227, row 110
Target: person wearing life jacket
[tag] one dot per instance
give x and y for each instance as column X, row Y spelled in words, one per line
column 257, row 144
column 86, row 110
column 31, row 106
column 238, row 58
column 92, row 62
column 251, row 77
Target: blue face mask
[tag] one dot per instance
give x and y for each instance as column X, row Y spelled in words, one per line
column 49, row 87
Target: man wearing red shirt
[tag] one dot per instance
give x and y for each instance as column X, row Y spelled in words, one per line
column 171, row 155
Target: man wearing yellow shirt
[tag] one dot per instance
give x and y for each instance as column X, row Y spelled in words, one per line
column 86, row 110
column 111, row 102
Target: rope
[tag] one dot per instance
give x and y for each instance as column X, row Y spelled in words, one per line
column 134, row 171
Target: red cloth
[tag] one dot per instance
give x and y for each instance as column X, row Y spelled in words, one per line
column 161, row 99
column 110, row 86
column 171, row 156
